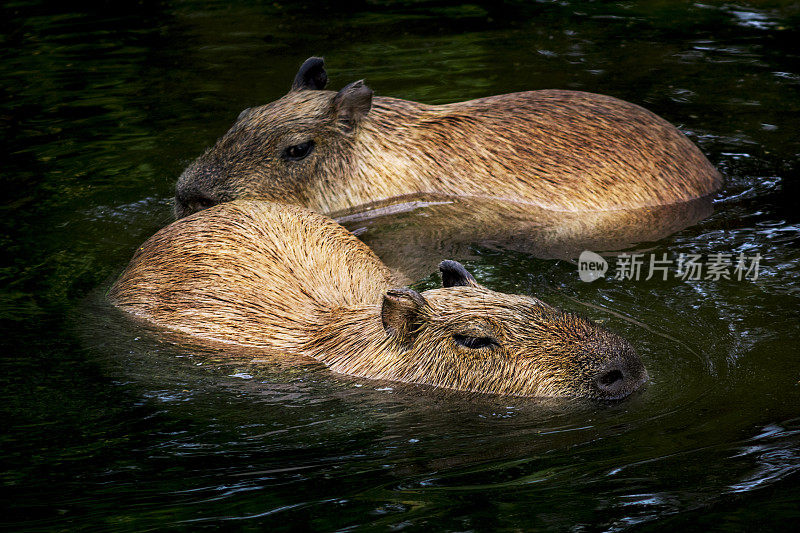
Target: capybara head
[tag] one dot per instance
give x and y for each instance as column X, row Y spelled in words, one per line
column 467, row 337
column 280, row 150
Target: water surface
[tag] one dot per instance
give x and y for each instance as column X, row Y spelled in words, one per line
column 111, row 426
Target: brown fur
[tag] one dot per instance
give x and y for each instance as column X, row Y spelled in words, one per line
column 283, row 278
column 560, row 150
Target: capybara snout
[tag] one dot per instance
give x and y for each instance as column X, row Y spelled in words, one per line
column 620, row 377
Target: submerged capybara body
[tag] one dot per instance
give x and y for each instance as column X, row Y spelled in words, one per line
column 412, row 234
column 283, row 278
column 559, row 150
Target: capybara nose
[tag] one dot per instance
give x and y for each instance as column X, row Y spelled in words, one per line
column 619, row 378
column 188, row 203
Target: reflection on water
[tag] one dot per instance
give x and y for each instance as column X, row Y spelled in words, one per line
column 774, row 460
column 412, row 235
column 112, row 426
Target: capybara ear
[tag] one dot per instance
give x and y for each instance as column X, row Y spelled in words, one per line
column 455, row 275
column 311, row 75
column 351, row 104
column 401, row 313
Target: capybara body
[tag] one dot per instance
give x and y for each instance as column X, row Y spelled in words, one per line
column 283, row 278
column 556, row 149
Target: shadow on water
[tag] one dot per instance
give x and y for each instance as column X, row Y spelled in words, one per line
column 112, row 426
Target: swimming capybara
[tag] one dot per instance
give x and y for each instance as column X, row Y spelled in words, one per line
column 559, row 150
column 283, row 278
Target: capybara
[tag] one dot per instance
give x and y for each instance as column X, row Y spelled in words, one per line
column 283, row 278
column 559, row 150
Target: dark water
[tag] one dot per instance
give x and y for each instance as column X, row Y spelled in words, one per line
column 107, row 426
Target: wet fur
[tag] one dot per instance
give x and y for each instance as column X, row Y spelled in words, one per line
column 560, row 150
column 282, row 278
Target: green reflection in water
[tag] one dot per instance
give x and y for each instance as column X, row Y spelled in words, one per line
column 113, row 427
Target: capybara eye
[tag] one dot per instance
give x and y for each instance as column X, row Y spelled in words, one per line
column 298, row 151
column 475, row 342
